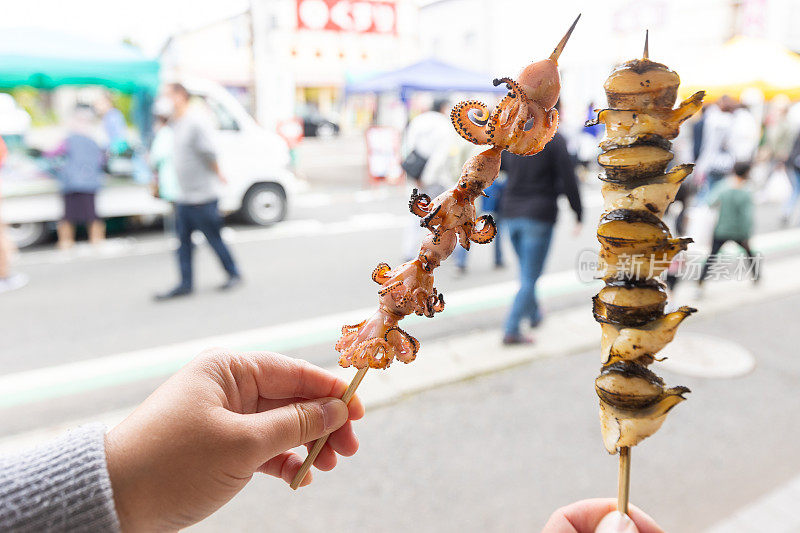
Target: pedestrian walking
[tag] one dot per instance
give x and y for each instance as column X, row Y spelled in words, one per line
column 730, row 135
column 162, row 160
column 114, row 126
column 428, row 142
column 196, row 209
column 8, row 281
column 735, row 220
column 793, row 172
column 529, row 209
column 79, row 170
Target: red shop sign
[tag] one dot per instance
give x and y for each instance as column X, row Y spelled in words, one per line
column 354, row 16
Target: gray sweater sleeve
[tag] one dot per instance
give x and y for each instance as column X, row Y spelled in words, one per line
column 60, row 486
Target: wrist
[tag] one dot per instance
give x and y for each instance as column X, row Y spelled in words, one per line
column 127, row 500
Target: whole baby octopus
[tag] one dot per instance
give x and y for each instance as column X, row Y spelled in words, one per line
column 522, row 123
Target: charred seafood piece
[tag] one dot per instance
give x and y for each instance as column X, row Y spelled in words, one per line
column 630, row 302
column 633, row 403
column 628, row 427
column 651, row 195
column 632, row 231
column 639, row 264
column 644, row 341
column 642, row 84
column 629, row 163
column 625, row 127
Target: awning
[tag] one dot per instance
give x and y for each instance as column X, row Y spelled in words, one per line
column 744, row 63
column 45, row 59
column 429, row 75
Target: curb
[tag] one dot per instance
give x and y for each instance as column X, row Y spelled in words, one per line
column 463, row 357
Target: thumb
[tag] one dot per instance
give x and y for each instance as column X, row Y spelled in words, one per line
column 297, row 423
column 616, row 522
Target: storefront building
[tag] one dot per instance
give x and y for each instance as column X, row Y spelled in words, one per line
column 288, row 58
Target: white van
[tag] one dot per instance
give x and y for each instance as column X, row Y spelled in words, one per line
column 255, row 162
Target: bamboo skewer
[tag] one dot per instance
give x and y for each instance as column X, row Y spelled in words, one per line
column 646, row 54
column 320, row 442
column 563, row 42
column 624, row 485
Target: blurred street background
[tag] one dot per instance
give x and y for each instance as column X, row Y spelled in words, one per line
column 309, row 102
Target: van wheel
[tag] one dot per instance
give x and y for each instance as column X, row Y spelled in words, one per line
column 27, row 234
column 264, row 204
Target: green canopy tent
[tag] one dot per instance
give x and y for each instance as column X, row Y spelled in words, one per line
column 45, row 60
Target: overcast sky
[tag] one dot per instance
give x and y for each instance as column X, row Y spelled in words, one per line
column 147, row 22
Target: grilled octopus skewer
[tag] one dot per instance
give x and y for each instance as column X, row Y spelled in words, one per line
column 522, row 123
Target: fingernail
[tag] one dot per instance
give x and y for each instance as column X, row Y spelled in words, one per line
column 616, row 522
column 334, row 414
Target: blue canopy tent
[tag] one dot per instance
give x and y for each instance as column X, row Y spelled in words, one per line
column 46, row 59
column 429, row 75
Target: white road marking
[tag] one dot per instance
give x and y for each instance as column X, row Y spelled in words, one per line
column 130, row 247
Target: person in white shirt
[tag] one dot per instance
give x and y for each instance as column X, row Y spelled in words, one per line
column 431, row 136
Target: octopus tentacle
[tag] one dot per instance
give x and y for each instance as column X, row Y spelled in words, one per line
column 389, row 288
column 420, row 301
column 469, row 119
column 506, row 124
column 533, row 140
column 428, row 219
column 438, row 305
column 484, row 231
column 513, row 86
column 463, row 237
column 419, row 204
column 406, row 348
column 379, row 274
column 375, row 353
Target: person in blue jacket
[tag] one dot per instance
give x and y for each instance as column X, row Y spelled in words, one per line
column 80, row 176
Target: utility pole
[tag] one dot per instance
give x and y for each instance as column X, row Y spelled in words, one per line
column 253, row 78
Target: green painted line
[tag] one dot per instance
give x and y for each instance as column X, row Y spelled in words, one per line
column 95, row 382
column 322, row 336
column 332, row 334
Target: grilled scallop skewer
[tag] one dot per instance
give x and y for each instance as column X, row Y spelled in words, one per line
column 636, row 247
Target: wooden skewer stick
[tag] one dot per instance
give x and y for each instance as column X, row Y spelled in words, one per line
column 312, row 455
column 646, row 54
column 563, row 42
column 624, row 479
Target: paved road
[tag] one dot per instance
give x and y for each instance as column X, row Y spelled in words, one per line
column 315, row 264
column 501, row 452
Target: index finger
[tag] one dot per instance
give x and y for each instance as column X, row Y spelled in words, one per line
column 585, row 515
column 278, row 376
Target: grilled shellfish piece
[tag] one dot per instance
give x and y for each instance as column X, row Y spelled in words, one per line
column 633, row 403
column 628, row 163
column 654, row 195
column 642, row 84
column 645, row 341
column 629, row 303
column 625, row 127
column 640, row 265
column 632, row 231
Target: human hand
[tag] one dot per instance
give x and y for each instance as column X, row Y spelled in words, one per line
column 599, row 515
column 200, row 437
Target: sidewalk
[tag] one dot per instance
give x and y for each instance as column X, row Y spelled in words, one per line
column 449, row 360
column 456, row 359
